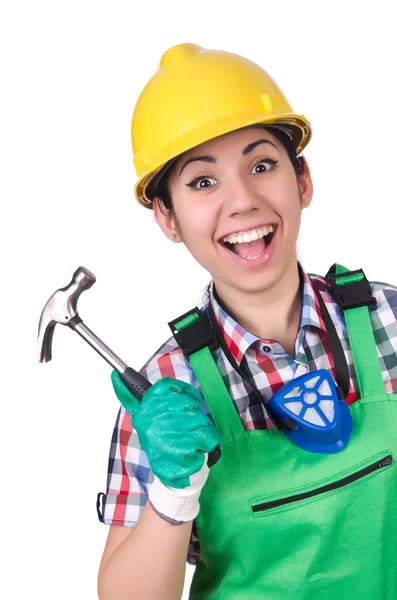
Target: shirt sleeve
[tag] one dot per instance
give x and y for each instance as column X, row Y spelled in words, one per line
column 129, row 471
column 128, row 475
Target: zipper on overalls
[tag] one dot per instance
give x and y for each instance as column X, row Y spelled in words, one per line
column 379, row 464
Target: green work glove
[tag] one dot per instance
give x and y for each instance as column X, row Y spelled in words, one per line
column 177, row 436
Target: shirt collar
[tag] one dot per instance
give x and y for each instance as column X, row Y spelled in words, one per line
column 239, row 339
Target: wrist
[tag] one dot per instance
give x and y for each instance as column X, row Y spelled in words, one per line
column 171, row 504
column 178, row 505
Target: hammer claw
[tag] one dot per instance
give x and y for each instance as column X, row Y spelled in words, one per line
column 45, row 341
column 61, row 308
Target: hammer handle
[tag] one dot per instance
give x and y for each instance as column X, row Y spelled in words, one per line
column 135, row 382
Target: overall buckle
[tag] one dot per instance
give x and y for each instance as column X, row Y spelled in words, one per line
column 354, row 293
column 196, row 334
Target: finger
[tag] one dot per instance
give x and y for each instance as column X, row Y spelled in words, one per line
column 169, row 387
column 208, row 438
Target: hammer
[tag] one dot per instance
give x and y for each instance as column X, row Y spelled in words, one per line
column 62, row 308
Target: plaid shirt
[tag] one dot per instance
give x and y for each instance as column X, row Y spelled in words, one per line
column 266, row 364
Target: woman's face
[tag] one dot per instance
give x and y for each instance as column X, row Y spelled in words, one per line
column 237, row 207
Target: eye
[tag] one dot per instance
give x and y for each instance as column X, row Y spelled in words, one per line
column 200, row 183
column 264, row 165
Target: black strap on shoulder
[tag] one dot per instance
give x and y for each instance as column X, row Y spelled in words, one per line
column 351, row 289
column 340, row 363
column 192, row 332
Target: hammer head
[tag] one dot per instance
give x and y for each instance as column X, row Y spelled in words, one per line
column 61, row 308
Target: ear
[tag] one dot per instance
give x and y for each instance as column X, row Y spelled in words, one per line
column 166, row 221
column 305, row 185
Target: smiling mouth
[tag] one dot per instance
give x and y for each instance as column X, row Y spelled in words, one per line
column 250, row 250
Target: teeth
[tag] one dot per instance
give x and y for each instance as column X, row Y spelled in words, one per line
column 249, row 236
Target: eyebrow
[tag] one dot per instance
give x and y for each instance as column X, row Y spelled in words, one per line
column 253, row 145
column 208, row 159
column 211, row 159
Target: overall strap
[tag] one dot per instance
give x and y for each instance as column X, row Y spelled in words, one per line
column 194, row 335
column 353, row 293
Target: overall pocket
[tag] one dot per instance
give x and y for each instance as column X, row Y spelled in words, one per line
column 297, row 497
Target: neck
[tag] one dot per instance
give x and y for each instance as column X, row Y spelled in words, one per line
column 272, row 314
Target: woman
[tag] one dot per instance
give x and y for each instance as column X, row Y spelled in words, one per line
column 297, row 387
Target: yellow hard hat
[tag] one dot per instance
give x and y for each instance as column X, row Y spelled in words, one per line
column 197, row 95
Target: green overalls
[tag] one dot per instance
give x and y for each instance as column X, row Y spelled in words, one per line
column 280, row 523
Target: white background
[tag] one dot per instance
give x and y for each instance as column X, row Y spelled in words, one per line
column 70, row 75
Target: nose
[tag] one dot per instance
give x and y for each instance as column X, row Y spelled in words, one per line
column 240, row 197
